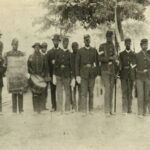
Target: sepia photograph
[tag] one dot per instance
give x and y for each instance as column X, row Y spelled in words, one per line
column 74, row 75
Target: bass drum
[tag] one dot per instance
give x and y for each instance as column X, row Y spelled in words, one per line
column 37, row 84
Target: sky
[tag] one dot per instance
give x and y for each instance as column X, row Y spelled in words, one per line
column 16, row 18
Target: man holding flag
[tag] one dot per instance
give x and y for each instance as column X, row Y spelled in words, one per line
column 108, row 57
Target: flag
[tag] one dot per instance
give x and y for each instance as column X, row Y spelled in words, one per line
column 119, row 36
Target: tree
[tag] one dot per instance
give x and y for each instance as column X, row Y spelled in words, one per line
column 65, row 14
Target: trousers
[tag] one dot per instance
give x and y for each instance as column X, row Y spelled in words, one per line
column 45, row 94
column 37, row 100
column 127, row 88
column 17, row 99
column 1, row 99
column 108, row 81
column 87, row 88
column 76, row 89
column 53, row 95
column 143, row 93
column 63, row 84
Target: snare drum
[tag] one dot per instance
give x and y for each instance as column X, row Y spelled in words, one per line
column 37, row 84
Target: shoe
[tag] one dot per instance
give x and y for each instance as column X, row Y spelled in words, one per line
column 130, row 112
column 112, row 114
column 67, row 112
column 84, row 114
column 52, row 110
column 140, row 116
column 73, row 111
column 46, row 109
column 124, row 114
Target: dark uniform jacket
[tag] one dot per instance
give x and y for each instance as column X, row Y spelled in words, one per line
column 51, row 57
column 37, row 64
column 143, row 65
column 2, row 70
column 87, row 65
column 127, row 65
column 73, row 63
column 106, row 51
column 62, row 67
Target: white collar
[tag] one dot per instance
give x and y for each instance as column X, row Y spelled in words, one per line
column 56, row 48
column 87, row 47
column 43, row 53
column 65, row 49
column 128, row 51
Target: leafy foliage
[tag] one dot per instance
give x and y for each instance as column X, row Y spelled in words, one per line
column 90, row 13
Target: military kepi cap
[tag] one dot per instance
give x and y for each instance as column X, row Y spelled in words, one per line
column 36, row 44
column 44, row 45
column 65, row 38
column 144, row 41
column 56, row 37
column 109, row 33
column 87, row 36
column 127, row 40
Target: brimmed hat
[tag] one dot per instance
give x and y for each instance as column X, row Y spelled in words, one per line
column 56, row 37
column 44, row 45
column 109, row 33
column 36, row 44
column 75, row 43
column 144, row 41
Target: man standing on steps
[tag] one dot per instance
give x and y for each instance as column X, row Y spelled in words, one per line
column 127, row 76
column 107, row 58
column 87, row 68
column 74, row 84
column 51, row 62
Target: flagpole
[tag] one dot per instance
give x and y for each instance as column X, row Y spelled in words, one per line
column 116, row 49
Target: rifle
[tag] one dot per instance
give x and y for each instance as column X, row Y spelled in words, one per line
column 116, row 76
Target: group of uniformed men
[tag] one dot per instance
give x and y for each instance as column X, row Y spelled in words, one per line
column 78, row 70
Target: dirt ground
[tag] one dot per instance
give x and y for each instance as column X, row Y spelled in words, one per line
column 52, row 131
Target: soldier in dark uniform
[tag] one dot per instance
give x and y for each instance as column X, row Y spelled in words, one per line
column 107, row 57
column 86, row 72
column 37, row 66
column 44, row 53
column 51, row 62
column 17, row 96
column 63, row 74
column 143, row 78
column 127, row 76
column 2, row 71
column 74, row 83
